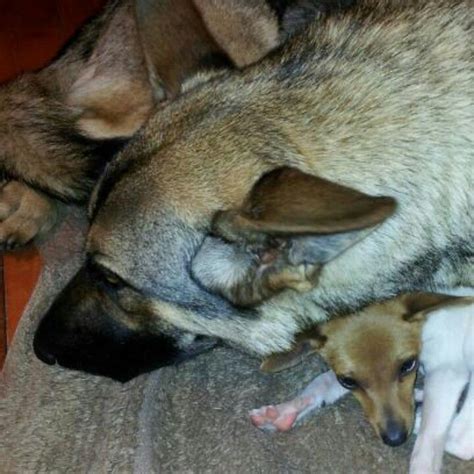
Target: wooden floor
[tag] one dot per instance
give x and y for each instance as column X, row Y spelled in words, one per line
column 31, row 33
column 3, row 319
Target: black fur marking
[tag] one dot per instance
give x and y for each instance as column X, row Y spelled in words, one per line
column 297, row 64
column 280, row 7
column 308, row 7
column 215, row 61
column 95, row 155
column 419, row 274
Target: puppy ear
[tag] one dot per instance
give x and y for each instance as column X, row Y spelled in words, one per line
column 180, row 37
column 111, row 94
column 296, row 222
column 306, row 343
column 418, row 306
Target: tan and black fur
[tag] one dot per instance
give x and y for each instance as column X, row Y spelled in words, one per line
column 60, row 125
column 376, row 100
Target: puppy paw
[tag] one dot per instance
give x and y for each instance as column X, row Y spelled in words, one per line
column 460, row 441
column 25, row 214
column 272, row 418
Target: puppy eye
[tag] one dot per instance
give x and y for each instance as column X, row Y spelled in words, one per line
column 347, row 382
column 408, row 366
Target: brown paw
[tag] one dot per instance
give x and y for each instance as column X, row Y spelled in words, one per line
column 25, row 214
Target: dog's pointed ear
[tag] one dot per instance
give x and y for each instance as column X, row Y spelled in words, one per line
column 306, row 343
column 111, row 95
column 180, row 37
column 419, row 306
column 298, row 222
column 246, row 30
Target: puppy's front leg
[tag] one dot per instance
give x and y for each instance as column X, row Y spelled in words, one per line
column 461, row 434
column 323, row 390
column 442, row 390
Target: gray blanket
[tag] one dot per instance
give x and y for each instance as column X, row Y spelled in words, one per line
column 186, row 419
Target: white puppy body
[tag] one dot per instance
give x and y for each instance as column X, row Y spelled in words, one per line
column 447, row 359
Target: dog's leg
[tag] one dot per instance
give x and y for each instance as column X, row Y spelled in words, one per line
column 442, row 390
column 323, row 390
column 24, row 214
column 461, row 434
column 418, row 407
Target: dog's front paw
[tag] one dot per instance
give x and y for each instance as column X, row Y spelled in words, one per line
column 424, row 465
column 426, row 458
column 24, row 214
column 460, row 441
column 273, row 418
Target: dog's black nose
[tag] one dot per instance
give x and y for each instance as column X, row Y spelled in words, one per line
column 42, row 352
column 395, row 434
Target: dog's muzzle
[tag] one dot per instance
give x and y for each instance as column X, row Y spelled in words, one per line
column 77, row 334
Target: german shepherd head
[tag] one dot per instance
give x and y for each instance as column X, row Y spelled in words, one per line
column 235, row 200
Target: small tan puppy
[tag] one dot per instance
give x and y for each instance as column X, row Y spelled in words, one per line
column 375, row 354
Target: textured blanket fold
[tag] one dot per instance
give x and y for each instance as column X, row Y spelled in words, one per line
column 186, row 419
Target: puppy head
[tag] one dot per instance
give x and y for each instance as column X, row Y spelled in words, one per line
column 374, row 354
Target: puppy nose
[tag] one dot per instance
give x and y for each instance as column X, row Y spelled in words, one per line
column 394, row 434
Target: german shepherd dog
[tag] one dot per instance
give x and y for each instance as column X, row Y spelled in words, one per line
column 223, row 217
column 59, row 126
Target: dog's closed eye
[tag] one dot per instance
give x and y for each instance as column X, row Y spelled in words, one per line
column 106, row 277
column 113, row 280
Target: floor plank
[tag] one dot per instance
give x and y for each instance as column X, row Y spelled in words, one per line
column 3, row 318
